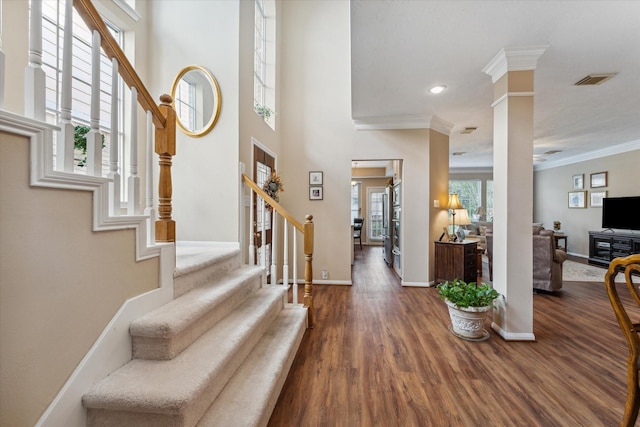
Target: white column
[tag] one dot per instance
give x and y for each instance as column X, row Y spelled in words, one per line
column 114, row 161
column 512, row 74
column 65, row 145
column 133, row 201
column 34, row 77
column 94, row 137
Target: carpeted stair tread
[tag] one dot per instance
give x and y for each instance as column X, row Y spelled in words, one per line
column 187, row 384
column 197, row 263
column 166, row 331
column 249, row 397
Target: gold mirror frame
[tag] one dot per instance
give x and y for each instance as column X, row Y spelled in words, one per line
column 217, row 101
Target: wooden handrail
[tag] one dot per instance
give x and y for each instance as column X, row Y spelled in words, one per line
column 163, row 116
column 277, row 206
column 94, row 22
column 307, row 232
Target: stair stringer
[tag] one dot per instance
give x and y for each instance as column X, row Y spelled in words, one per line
column 112, row 348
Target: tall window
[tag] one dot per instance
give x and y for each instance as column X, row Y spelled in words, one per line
column 489, row 198
column 185, row 103
column 355, row 200
column 470, row 193
column 375, row 212
column 264, row 58
column 52, row 45
column 259, row 57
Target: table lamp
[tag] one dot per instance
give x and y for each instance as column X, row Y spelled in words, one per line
column 454, row 203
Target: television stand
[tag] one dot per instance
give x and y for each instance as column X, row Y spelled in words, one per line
column 605, row 246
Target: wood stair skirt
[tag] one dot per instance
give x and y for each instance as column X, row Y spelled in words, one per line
column 217, row 355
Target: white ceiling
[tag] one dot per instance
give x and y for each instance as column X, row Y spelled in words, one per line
column 400, row 49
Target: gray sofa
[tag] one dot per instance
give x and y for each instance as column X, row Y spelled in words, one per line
column 547, row 260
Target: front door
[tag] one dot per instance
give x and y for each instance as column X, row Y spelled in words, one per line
column 263, row 167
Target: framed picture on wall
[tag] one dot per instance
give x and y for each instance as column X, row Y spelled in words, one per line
column 598, row 179
column 315, row 193
column 577, row 199
column 596, row 198
column 315, row 178
column 578, row 181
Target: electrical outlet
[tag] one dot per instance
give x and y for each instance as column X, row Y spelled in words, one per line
column 325, row 274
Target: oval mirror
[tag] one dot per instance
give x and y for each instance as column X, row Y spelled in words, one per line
column 196, row 99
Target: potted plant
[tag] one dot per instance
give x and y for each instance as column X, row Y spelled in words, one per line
column 468, row 306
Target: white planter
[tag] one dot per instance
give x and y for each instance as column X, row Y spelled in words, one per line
column 468, row 322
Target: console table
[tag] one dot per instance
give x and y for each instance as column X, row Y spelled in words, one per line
column 604, row 247
column 456, row 260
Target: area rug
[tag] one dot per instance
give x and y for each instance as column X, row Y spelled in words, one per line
column 577, row 272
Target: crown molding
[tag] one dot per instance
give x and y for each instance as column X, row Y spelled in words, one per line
column 591, row 155
column 514, row 59
column 403, row 122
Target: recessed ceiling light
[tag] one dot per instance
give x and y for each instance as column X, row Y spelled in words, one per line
column 437, row 89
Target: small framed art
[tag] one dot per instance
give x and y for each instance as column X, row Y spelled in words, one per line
column 315, row 178
column 577, row 199
column 578, row 181
column 598, row 179
column 315, row 193
column 596, row 198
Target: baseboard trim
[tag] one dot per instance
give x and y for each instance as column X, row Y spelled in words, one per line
column 417, row 284
column 513, row 336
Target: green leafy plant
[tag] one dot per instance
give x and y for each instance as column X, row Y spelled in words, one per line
column 80, row 142
column 263, row 111
column 470, row 294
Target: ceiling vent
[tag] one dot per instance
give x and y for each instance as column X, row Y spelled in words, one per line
column 467, row 130
column 459, row 153
column 594, row 79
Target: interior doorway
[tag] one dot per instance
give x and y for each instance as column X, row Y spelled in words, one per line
column 375, row 197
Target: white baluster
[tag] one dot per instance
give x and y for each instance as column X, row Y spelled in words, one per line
column 34, row 76
column 295, row 267
column 263, row 238
column 2, row 63
column 64, row 145
column 114, row 185
column 134, row 179
column 94, row 137
column 274, row 239
column 285, row 252
column 149, row 211
column 252, row 231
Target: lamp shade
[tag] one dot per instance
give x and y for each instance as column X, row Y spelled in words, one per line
column 454, row 202
column 480, row 211
column 462, row 217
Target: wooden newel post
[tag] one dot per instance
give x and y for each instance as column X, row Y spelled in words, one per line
column 165, row 148
column 308, row 267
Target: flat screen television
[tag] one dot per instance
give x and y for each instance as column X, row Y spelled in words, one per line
column 621, row 212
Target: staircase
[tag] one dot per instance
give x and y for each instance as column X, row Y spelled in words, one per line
column 216, row 355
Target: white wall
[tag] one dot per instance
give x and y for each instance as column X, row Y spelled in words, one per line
column 318, row 134
column 205, row 170
column 552, row 186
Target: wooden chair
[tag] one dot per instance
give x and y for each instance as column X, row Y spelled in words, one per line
column 630, row 329
column 357, row 230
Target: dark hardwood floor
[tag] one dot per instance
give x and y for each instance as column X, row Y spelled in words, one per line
column 381, row 355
